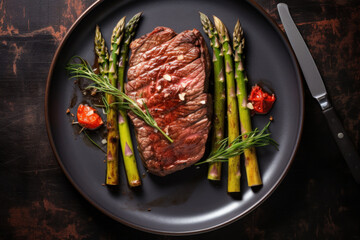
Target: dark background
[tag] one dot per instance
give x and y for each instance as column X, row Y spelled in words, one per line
column 318, row 198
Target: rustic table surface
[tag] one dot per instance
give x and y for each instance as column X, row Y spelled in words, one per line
column 317, row 200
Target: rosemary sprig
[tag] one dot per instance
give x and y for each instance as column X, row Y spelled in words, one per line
column 106, row 104
column 255, row 138
column 102, row 84
column 92, row 141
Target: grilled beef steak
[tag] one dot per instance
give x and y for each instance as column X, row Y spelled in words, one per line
column 169, row 72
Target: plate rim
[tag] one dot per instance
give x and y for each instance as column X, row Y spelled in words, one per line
column 297, row 69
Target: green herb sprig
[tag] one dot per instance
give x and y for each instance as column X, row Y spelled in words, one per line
column 92, row 141
column 102, row 84
column 255, row 138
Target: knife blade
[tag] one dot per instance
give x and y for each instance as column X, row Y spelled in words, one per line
column 318, row 91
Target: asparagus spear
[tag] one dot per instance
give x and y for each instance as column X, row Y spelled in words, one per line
column 101, row 52
column 112, row 172
column 232, row 110
column 251, row 164
column 219, row 93
column 124, row 130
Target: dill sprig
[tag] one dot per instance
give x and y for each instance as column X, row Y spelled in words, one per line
column 254, row 138
column 102, row 84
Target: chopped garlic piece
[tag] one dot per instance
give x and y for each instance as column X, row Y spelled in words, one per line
column 90, row 113
column 202, row 102
column 182, row 96
column 167, row 130
column 103, row 141
column 167, row 77
column 140, row 101
column 158, row 87
column 250, row 106
column 180, row 57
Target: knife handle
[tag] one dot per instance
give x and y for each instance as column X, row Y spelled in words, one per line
column 344, row 143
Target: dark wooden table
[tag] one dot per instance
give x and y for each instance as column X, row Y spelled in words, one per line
column 317, row 200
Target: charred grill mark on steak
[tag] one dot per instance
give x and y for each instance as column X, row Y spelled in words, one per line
column 169, row 72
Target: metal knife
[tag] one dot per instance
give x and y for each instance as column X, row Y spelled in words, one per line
column 318, row 91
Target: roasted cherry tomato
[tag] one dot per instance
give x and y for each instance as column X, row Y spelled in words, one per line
column 88, row 118
column 261, row 100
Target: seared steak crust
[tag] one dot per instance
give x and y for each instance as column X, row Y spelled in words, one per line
column 169, row 72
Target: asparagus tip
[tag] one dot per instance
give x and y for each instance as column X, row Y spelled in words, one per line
column 134, row 20
column 237, row 25
column 131, row 26
column 97, row 34
column 117, row 32
column 220, row 27
column 119, row 26
column 218, row 24
column 121, row 22
column 204, row 20
column 238, row 37
column 207, row 25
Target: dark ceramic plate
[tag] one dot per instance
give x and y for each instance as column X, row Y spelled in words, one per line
column 184, row 202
